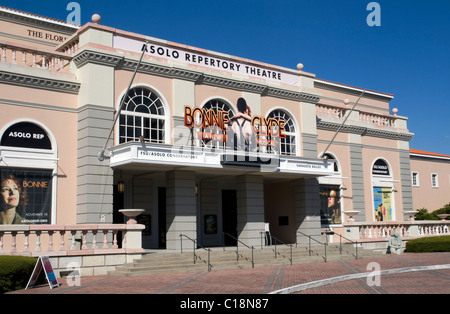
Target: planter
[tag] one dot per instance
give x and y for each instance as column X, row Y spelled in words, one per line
column 443, row 216
column 131, row 214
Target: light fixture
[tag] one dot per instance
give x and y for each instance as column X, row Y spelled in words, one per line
column 121, row 187
column 121, row 184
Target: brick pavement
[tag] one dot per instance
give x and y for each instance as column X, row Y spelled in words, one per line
column 262, row 280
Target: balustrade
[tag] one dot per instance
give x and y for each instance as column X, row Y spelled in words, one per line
column 407, row 229
column 32, row 57
column 330, row 111
column 377, row 120
column 81, row 239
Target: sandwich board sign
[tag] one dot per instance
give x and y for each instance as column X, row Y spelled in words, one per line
column 43, row 263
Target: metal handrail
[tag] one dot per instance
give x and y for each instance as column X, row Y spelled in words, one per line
column 281, row 242
column 196, row 246
column 237, row 247
column 309, row 245
column 351, row 241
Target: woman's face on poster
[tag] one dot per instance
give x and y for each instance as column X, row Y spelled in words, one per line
column 10, row 194
column 332, row 198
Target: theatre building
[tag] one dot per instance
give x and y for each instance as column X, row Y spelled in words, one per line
column 97, row 119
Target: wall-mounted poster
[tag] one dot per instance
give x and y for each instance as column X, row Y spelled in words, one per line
column 26, row 196
column 210, row 224
column 382, row 199
column 330, row 205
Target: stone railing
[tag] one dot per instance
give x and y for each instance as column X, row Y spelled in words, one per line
column 12, row 53
column 380, row 231
column 371, row 119
column 70, row 240
column 329, row 111
column 376, row 120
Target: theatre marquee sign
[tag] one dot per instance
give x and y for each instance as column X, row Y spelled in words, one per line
column 134, row 153
column 205, row 60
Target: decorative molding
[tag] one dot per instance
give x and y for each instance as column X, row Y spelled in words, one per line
column 89, row 56
column 36, row 105
column 330, row 126
column 39, row 82
column 32, row 20
column 348, row 90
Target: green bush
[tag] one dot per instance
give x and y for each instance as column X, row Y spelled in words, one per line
column 15, row 272
column 431, row 244
column 423, row 213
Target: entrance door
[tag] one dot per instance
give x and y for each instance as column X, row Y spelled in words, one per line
column 118, row 218
column 229, row 216
column 162, row 229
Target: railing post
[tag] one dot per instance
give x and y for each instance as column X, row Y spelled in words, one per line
column 309, row 247
column 275, row 247
column 195, row 257
column 290, row 247
column 253, row 261
column 181, row 243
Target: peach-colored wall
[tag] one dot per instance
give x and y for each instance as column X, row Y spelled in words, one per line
column 366, row 103
column 31, row 35
column 424, row 195
column 204, row 93
column 63, row 126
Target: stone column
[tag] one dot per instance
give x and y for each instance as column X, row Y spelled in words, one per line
column 307, row 209
column 250, row 209
column 181, row 214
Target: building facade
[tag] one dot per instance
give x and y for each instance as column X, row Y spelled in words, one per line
column 212, row 146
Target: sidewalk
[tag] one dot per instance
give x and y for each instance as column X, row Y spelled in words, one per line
column 263, row 280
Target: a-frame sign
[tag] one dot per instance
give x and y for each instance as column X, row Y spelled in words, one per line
column 43, row 263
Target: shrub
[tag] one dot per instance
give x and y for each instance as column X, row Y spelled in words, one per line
column 423, row 214
column 15, row 272
column 431, row 244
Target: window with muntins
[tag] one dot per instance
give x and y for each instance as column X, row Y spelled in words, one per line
column 285, row 146
column 143, row 115
column 219, row 142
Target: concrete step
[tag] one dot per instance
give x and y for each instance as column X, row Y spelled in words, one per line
column 169, row 261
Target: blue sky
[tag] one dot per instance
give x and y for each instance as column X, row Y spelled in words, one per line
column 408, row 55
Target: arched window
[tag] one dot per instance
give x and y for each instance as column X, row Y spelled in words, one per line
column 143, row 115
column 382, row 191
column 219, row 141
column 286, row 146
column 329, row 156
column 29, row 168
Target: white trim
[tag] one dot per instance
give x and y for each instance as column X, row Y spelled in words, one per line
column 437, row 180
column 417, row 178
column 167, row 116
column 225, row 100
column 296, row 125
column 39, row 18
column 383, row 181
column 353, row 88
column 30, row 158
column 429, row 156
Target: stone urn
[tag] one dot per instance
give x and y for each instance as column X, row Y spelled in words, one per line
column 131, row 214
column 443, row 216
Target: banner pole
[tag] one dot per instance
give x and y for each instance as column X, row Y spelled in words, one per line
column 101, row 154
